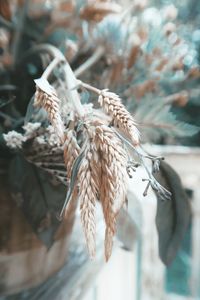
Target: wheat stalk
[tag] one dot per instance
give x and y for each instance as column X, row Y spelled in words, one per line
column 50, row 102
column 121, row 117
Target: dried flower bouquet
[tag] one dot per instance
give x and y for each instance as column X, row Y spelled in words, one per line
column 92, row 150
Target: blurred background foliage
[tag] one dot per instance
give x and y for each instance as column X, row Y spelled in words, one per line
column 146, row 51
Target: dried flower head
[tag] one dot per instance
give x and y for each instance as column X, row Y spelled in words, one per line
column 121, row 117
column 31, row 128
column 14, row 139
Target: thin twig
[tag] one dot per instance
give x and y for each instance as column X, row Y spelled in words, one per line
column 19, row 32
column 89, row 87
column 90, row 62
column 50, row 68
column 70, row 78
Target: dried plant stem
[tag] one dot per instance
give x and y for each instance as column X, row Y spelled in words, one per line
column 70, row 78
column 89, row 87
column 50, row 68
column 163, row 193
column 90, row 62
column 71, row 151
column 71, row 81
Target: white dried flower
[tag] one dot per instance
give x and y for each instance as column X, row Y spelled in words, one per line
column 54, row 140
column 40, row 140
column 14, row 139
column 30, row 129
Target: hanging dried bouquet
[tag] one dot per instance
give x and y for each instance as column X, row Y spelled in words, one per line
column 100, row 147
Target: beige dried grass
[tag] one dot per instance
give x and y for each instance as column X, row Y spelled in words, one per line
column 113, row 106
column 51, row 104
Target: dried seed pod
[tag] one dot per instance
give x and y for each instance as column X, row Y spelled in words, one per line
column 50, row 102
column 121, row 117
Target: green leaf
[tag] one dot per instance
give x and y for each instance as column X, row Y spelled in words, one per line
column 172, row 218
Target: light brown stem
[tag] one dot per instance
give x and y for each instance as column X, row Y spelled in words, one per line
column 89, row 87
column 50, row 68
column 90, row 62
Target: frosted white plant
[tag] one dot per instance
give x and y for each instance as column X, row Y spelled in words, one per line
column 14, row 139
column 31, row 128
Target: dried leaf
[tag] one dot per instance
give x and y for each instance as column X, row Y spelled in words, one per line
column 173, row 216
column 35, row 195
column 74, row 173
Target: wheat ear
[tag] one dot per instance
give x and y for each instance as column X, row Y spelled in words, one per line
column 121, row 117
column 113, row 180
column 88, row 192
column 50, row 102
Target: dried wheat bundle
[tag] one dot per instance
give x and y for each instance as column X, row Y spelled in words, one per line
column 102, row 176
column 71, row 151
column 50, row 102
column 113, row 179
column 121, row 117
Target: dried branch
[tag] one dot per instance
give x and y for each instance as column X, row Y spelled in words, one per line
column 90, row 62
